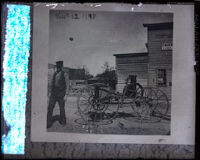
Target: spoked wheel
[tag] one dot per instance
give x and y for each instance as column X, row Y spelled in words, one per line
column 157, row 101
column 97, row 108
column 162, row 108
column 146, row 108
column 142, row 112
column 133, row 91
column 83, row 104
column 140, row 109
column 150, row 95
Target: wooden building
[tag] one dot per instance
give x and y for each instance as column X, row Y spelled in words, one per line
column 131, row 64
column 153, row 68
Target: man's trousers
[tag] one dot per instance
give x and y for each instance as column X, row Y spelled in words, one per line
column 61, row 103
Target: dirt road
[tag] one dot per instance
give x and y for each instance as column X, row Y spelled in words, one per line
column 122, row 124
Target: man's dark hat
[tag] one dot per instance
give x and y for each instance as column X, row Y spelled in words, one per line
column 59, row 63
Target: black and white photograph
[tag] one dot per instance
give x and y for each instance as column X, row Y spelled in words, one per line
column 113, row 73
column 109, row 72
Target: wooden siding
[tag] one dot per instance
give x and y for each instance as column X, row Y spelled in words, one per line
column 131, row 66
column 146, row 67
column 159, row 59
column 124, row 60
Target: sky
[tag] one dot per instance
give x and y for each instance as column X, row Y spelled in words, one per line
column 90, row 39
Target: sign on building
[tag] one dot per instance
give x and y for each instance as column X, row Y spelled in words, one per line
column 167, row 46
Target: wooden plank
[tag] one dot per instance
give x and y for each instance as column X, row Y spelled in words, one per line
column 122, row 80
column 160, row 34
column 131, row 60
column 132, row 69
column 132, row 64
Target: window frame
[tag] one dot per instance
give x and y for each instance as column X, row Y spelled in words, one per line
column 164, row 84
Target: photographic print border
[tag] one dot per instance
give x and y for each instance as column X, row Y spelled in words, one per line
column 177, row 129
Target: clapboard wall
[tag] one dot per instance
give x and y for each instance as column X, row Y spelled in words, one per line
column 160, row 56
column 131, row 64
column 146, row 65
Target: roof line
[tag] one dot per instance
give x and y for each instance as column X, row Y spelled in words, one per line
column 166, row 25
column 131, row 54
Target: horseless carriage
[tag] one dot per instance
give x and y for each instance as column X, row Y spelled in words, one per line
column 99, row 104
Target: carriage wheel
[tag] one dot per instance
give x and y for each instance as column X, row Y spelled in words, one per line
column 133, row 93
column 162, row 108
column 150, row 95
column 83, row 104
column 141, row 109
column 142, row 112
column 144, row 107
column 99, row 110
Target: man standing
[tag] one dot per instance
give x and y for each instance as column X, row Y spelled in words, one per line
column 59, row 89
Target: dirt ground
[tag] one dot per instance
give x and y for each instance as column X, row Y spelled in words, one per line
column 123, row 123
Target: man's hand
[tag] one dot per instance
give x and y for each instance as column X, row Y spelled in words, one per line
column 49, row 94
column 65, row 98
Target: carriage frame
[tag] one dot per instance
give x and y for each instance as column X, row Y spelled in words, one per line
column 98, row 103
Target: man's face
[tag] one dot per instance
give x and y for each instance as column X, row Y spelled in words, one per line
column 59, row 68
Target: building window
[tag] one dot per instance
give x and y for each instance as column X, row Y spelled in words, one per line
column 161, row 77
